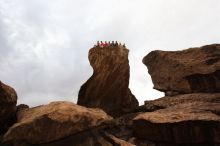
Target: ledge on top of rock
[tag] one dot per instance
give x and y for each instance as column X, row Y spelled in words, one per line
column 108, row 88
column 187, row 71
column 8, row 101
column 168, row 101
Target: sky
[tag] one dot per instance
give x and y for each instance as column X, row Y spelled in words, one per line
column 44, row 44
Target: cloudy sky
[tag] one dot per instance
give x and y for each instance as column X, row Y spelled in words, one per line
column 44, row 43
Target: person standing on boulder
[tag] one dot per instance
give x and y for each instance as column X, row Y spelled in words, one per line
column 112, row 44
column 101, row 44
column 124, row 45
column 106, row 44
column 98, row 44
column 116, row 43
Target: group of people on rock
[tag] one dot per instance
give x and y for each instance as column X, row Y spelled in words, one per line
column 107, row 44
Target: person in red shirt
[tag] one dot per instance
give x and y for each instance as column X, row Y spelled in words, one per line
column 106, row 44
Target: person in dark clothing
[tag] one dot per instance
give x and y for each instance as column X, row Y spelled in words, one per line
column 106, row 44
column 98, row 44
column 112, row 44
column 116, row 43
column 124, row 45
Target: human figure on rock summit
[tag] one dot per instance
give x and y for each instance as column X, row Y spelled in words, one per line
column 107, row 44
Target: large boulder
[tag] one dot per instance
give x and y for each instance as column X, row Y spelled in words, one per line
column 108, row 88
column 187, row 123
column 187, row 71
column 52, row 122
column 8, row 101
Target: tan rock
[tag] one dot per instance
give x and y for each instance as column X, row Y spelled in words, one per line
column 108, row 88
column 196, row 122
column 168, row 101
column 52, row 122
column 187, row 71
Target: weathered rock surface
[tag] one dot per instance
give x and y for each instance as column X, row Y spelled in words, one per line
column 52, row 122
column 168, row 101
column 21, row 107
column 8, row 101
column 93, row 137
column 187, row 71
column 189, row 114
column 187, row 123
column 108, row 88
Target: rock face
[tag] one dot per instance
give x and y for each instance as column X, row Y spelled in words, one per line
column 189, row 114
column 52, row 122
column 93, row 137
column 187, row 71
column 169, row 101
column 108, row 88
column 8, row 101
column 188, row 123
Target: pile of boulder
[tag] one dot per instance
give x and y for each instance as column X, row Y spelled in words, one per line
column 190, row 111
column 108, row 114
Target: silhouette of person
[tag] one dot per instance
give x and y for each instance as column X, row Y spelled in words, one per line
column 98, row 43
column 124, row 45
column 113, row 43
column 102, row 44
column 116, row 43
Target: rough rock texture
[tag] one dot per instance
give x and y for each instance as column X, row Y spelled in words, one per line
column 187, row 71
column 88, row 138
column 21, row 107
column 108, row 88
column 195, row 122
column 93, row 137
column 8, row 101
column 168, row 101
column 52, row 122
column 189, row 114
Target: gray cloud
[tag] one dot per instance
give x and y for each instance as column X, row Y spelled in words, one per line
column 44, row 43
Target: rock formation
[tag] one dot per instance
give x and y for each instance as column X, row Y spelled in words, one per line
column 188, row 123
column 8, row 101
column 169, row 101
column 187, row 71
column 108, row 88
column 189, row 114
column 54, row 121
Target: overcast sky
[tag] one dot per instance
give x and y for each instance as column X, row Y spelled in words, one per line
column 44, row 43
